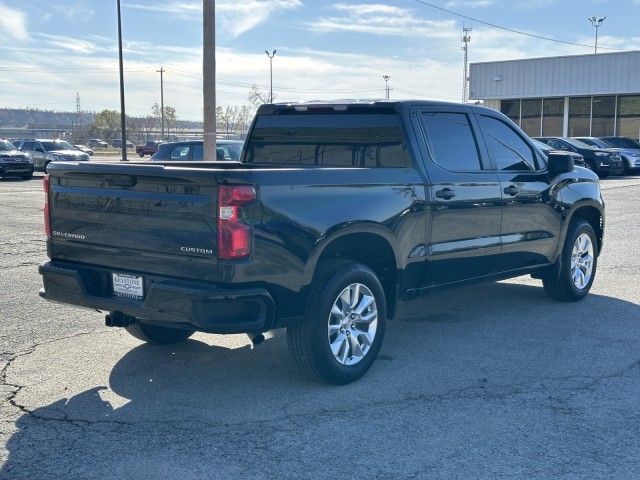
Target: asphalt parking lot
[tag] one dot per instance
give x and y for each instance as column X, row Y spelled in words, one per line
column 490, row 381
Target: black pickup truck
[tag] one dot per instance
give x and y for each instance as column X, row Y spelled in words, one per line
column 335, row 212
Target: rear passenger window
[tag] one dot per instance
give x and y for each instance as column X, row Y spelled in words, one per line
column 451, row 141
column 507, row 148
column 329, row 139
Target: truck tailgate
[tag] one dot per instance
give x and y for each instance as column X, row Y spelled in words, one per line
column 153, row 219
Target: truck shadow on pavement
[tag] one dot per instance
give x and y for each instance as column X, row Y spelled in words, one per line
column 166, row 402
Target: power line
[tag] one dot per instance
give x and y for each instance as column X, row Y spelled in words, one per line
column 493, row 25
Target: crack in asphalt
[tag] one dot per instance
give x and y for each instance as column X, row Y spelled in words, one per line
column 11, row 398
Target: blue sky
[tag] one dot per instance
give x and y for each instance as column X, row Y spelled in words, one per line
column 54, row 49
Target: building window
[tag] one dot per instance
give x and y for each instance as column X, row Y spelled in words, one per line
column 511, row 108
column 552, row 117
column 628, row 118
column 532, row 116
column 579, row 117
column 603, row 116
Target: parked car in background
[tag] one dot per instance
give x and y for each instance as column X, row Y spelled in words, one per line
column 45, row 151
column 149, row 148
column 629, row 150
column 546, row 150
column 14, row 163
column 84, row 148
column 604, row 162
column 117, row 143
column 622, row 142
column 97, row 143
column 629, row 155
column 190, row 150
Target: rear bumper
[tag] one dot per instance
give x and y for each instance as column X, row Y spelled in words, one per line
column 202, row 306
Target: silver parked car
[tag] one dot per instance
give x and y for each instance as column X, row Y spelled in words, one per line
column 45, row 151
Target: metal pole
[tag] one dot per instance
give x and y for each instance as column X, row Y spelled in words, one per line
column 386, row 85
column 161, row 101
column 123, row 123
column 209, row 78
column 596, row 22
column 271, row 74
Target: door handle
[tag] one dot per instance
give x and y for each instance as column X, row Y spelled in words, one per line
column 512, row 190
column 445, row 193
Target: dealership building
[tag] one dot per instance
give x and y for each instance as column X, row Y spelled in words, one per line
column 579, row 95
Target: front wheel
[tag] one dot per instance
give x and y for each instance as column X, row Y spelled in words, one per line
column 140, row 153
column 342, row 333
column 158, row 335
column 575, row 271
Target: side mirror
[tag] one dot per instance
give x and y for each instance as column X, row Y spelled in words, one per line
column 558, row 162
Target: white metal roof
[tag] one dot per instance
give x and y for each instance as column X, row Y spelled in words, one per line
column 569, row 76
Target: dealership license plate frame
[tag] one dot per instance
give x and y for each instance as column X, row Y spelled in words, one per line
column 129, row 286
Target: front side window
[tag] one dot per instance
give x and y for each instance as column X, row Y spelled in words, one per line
column 451, row 141
column 506, row 147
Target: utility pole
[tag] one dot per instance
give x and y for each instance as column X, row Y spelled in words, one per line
column 271, row 73
column 209, row 78
column 73, row 134
column 596, row 24
column 466, row 39
column 386, row 86
column 161, row 102
column 123, row 122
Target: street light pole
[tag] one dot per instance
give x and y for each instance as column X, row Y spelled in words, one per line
column 271, row 73
column 386, row 85
column 161, row 102
column 596, row 24
column 123, row 122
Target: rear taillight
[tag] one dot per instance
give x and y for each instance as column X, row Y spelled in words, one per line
column 234, row 236
column 47, row 221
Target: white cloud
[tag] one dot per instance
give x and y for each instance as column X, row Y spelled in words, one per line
column 12, row 24
column 240, row 17
column 469, row 4
column 381, row 20
column 173, row 8
column 69, row 43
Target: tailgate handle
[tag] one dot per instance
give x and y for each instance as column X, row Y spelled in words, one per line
column 120, row 180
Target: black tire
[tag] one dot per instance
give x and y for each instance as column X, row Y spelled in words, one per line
column 140, row 153
column 355, row 338
column 28, row 176
column 571, row 279
column 158, row 335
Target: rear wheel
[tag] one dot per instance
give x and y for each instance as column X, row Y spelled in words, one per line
column 158, row 335
column 573, row 276
column 340, row 337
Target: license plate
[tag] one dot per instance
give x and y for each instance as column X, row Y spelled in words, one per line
column 128, row 286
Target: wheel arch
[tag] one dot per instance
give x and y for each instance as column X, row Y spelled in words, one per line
column 371, row 248
column 595, row 218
